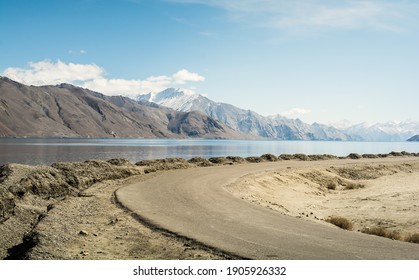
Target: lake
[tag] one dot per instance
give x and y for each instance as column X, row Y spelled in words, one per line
column 48, row 151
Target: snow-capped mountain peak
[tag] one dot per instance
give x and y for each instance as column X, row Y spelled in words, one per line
column 244, row 121
column 388, row 131
column 175, row 98
column 277, row 126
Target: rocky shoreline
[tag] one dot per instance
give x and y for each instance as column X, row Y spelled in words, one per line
column 31, row 196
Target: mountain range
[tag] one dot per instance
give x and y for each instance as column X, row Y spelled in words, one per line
column 245, row 121
column 279, row 127
column 69, row 111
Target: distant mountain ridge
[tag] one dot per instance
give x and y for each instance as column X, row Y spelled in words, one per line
column 390, row 131
column 69, row 111
column 414, row 138
column 279, row 127
column 246, row 121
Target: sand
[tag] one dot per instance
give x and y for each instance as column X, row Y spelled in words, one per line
column 91, row 225
column 370, row 196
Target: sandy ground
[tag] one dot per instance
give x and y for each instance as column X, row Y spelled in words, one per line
column 93, row 226
column 370, row 195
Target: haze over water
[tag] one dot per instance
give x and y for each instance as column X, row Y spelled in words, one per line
column 48, row 151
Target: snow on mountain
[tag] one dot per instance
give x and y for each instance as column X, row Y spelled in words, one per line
column 389, row 131
column 245, row 121
column 342, row 125
column 280, row 127
column 176, row 99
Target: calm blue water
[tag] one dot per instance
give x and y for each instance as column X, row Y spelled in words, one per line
column 48, row 151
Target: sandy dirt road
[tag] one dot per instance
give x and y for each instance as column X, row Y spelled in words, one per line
column 195, row 203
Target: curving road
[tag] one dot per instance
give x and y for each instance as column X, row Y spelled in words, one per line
column 194, row 203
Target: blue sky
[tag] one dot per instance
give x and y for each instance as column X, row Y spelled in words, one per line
column 318, row 60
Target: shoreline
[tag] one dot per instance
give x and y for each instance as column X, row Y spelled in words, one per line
column 50, row 151
column 34, row 193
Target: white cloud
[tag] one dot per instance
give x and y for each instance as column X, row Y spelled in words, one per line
column 308, row 15
column 183, row 76
column 93, row 77
column 294, row 112
column 46, row 73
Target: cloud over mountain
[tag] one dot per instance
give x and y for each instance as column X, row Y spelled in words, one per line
column 92, row 76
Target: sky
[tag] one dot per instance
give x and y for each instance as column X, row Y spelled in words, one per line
column 318, row 60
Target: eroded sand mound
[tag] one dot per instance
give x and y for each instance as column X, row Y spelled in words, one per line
column 369, row 196
column 27, row 193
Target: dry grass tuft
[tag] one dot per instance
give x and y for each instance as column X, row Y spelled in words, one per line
column 331, row 185
column 413, row 238
column 340, row 222
column 269, row 157
column 354, row 186
column 383, row 232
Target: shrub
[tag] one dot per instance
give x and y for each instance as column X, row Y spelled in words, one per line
column 369, row 156
column 354, row 156
column 396, row 154
column 353, row 186
column 269, row 157
column 236, row 159
column 254, row 159
column 340, row 222
column 380, row 231
column 331, row 185
column 414, row 238
column 302, row 157
column 198, row 161
column 286, row 157
column 218, row 160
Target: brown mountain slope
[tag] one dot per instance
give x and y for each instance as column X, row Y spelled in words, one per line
column 70, row 111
